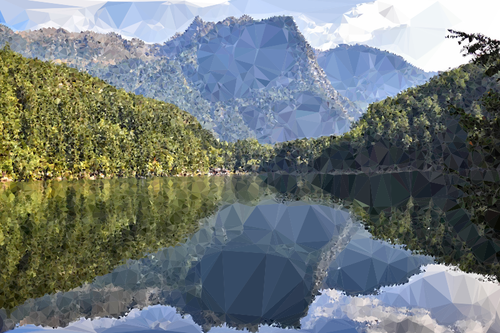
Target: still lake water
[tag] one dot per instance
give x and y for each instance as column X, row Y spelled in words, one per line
column 263, row 253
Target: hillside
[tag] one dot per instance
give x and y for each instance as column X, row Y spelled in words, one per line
column 58, row 122
column 448, row 126
column 271, row 89
column 414, row 129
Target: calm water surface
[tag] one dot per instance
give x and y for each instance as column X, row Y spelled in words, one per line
column 258, row 253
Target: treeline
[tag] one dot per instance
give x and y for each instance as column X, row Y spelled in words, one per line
column 58, row 122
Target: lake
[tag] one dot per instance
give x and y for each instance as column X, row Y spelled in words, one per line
column 269, row 253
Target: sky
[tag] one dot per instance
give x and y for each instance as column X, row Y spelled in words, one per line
column 413, row 29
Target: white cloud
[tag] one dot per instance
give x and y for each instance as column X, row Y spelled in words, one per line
column 415, row 30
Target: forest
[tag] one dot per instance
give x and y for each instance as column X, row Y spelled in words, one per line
column 59, row 123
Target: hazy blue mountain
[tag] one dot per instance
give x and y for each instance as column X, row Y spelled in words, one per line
column 365, row 74
column 264, row 72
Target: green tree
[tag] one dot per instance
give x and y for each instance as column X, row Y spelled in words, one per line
column 482, row 196
column 58, row 122
column 485, row 50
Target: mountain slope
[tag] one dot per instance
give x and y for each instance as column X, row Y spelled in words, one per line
column 365, row 75
column 272, row 89
column 262, row 74
column 414, row 129
column 56, row 121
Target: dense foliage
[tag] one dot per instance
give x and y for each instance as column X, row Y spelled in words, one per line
column 85, row 229
column 416, row 122
column 56, row 121
column 482, row 198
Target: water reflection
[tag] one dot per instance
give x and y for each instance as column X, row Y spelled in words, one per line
column 249, row 265
column 262, row 264
column 261, row 260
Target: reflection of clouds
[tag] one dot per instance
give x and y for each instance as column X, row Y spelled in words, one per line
column 475, row 308
column 371, row 312
column 431, row 301
column 152, row 319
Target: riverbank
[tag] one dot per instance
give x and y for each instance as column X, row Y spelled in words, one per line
column 94, row 175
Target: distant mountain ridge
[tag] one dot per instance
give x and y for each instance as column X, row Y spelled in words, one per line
column 365, row 74
column 202, row 30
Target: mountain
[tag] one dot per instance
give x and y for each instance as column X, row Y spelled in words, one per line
column 267, row 71
column 365, row 74
column 240, row 78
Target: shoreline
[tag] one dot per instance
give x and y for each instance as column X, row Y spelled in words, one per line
column 93, row 176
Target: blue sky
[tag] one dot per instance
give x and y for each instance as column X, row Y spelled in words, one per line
column 415, row 30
